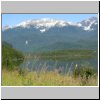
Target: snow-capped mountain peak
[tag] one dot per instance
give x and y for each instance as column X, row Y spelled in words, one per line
column 24, row 23
column 89, row 23
column 6, row 27
column 44, row 24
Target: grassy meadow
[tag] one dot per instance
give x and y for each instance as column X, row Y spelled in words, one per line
column 45, row 78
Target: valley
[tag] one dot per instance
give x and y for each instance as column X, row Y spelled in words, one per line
column 50, row 52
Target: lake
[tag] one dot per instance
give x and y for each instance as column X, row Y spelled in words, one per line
column 59, row 62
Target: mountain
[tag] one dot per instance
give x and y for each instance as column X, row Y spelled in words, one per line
column 50, row 34
column 6, row 27
column 90, row 23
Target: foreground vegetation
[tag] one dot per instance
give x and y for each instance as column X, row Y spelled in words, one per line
column 10, row 56
column 85, row 77
column 16, row 76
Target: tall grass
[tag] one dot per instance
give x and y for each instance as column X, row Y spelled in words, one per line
column 24, row 77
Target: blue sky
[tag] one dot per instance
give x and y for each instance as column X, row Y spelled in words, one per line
column 13, row 19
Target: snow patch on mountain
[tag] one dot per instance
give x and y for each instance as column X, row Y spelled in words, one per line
column 89, row 26
column 26, row 42
column 42, row 30
column 44, row 24
column 6, row 27
column 88, row 23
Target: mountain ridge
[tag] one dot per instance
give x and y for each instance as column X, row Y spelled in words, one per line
column 31, row 39
column 44, row 24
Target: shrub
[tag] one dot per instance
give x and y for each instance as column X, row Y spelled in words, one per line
column 84, row 71
column 23, row 71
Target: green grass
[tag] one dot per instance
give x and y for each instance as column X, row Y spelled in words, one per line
column 45, row 78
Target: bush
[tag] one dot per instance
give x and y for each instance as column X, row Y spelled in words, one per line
column 23, row 71
column 84, row 71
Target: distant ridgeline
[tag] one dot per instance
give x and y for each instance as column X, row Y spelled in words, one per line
column 11, row 58
column 50, row 34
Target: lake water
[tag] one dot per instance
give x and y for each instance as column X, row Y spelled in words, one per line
column 51, row 65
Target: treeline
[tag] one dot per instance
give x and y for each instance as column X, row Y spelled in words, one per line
column 66, row 55
column 11, row 58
